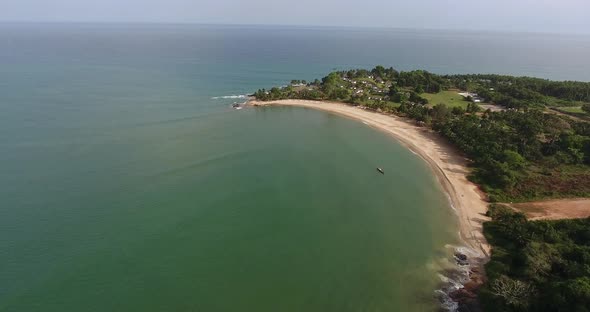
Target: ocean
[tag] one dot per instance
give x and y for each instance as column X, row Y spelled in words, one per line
column 128, row 183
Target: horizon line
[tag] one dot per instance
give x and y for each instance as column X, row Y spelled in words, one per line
column 182, row 23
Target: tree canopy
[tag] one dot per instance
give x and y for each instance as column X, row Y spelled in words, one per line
column 536, row 265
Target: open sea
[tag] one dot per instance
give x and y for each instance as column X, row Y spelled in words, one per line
column 128, row 183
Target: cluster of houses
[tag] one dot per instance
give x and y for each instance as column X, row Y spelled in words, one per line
column 362, row 86
column 375, row 90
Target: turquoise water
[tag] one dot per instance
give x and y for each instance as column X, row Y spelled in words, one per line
column 129, row 184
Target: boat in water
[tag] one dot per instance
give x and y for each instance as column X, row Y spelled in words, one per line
column 380, row 170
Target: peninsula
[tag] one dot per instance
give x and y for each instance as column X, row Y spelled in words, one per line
column 492, row 141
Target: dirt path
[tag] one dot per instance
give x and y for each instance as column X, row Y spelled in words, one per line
column 555, row 209
column 556, row 112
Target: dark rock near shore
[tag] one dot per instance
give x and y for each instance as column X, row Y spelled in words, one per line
column 466, row 297
column 461, row 259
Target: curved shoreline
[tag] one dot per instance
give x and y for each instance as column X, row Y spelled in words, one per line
column 449, row 166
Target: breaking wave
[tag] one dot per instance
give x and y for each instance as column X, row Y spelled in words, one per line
column 241, row 96
column 453, row 274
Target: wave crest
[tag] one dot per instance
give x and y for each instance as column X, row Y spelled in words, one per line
column 241, row 96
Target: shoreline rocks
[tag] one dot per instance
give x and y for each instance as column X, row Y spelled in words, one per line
column 466, row 297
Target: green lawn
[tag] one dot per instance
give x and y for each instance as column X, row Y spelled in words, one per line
column 551, row 101
column 450, row 98
column 574, row 110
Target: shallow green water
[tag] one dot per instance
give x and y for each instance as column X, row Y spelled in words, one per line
column 259, row 210
column 128, row 184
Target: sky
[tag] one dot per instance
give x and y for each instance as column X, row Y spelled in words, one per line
column 560, row 16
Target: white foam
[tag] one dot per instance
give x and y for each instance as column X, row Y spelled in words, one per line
column 241, row 96
column 451, row 202
column 447, row 304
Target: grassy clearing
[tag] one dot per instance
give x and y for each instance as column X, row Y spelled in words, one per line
column 552, row 101
column 561, row 182
column 450, row 98
column 573, row 110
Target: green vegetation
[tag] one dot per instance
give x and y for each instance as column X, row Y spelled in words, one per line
column 451, row 98
column 522, row 92
column 536, row 265
column 555, row 102
column 382, row 89
column 574, row 109
column 507, row 91
column 518, row 154
column 581, row 112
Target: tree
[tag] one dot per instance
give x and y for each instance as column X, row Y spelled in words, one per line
column 514, row 160
column 457, row 110
column 275, row 93
column 578, row 293
column 440, row 112
column 539, row 258
column 416, row 98
column 378, row 71
column 393, row 90
column 331, row 79
column 396, row 95
column 514, row 292
column 472, row 108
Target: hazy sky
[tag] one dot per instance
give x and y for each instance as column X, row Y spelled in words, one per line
column 517, row 15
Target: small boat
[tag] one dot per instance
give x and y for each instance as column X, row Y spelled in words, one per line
column 235, row 105
column 380, row 170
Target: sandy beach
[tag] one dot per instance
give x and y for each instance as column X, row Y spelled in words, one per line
column 447, row 163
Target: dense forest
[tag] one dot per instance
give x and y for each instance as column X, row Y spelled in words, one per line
column 519, row 152
column 536, row 265
column 518, row 155
column 522, row 91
